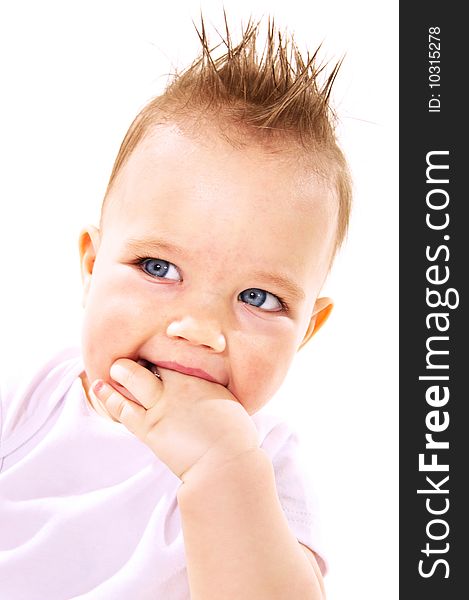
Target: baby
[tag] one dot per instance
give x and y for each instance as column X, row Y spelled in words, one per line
column 140, row 466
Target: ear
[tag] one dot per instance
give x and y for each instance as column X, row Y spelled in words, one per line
column 322, row 309
column 88, row 244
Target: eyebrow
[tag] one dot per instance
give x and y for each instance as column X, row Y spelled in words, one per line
column 280, row 280
column 149, row 246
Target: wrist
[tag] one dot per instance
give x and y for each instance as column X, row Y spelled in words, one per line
column 250, row 470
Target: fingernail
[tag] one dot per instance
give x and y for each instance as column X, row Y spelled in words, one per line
column 117, row 371
column 97, row 386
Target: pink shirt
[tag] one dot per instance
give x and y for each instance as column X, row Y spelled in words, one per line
column 88, row 511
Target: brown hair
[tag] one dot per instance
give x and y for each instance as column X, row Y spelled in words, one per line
column 275, row 95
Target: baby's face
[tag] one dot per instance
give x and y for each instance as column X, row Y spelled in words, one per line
column 210, row 261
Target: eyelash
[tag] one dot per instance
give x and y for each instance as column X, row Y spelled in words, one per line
column 139, row 260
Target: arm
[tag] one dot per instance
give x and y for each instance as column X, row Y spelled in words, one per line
column 237, row 539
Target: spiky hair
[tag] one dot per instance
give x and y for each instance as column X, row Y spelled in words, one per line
column 276, row 94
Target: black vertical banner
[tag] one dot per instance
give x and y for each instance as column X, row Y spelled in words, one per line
column 434, row 267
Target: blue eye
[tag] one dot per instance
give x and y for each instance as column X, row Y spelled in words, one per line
column 156, row 267
column 261, row 299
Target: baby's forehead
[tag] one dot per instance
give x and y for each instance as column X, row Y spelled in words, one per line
column 252, row 173
column 210, row 132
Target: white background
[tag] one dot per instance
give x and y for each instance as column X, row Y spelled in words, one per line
column 73, row 75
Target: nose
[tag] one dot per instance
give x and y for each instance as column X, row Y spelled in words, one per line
column 198, row 333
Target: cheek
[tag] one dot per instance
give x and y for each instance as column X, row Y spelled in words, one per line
column 118, row 297
column 259, row 369
column 116, row 318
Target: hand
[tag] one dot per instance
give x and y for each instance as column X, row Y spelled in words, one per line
column 188, row 422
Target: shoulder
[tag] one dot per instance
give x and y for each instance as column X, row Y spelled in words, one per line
column 292, row 477
column 281, row 443
column 29, row 393
column 277, row 437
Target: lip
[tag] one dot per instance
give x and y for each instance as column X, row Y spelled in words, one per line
column 174, row 366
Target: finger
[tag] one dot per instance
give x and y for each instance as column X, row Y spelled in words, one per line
column 139, row 381
column 193, row 385
column 120, row 408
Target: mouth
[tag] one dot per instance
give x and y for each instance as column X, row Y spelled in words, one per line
column 187, row 371
column 174, row 366
column 150, row 366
